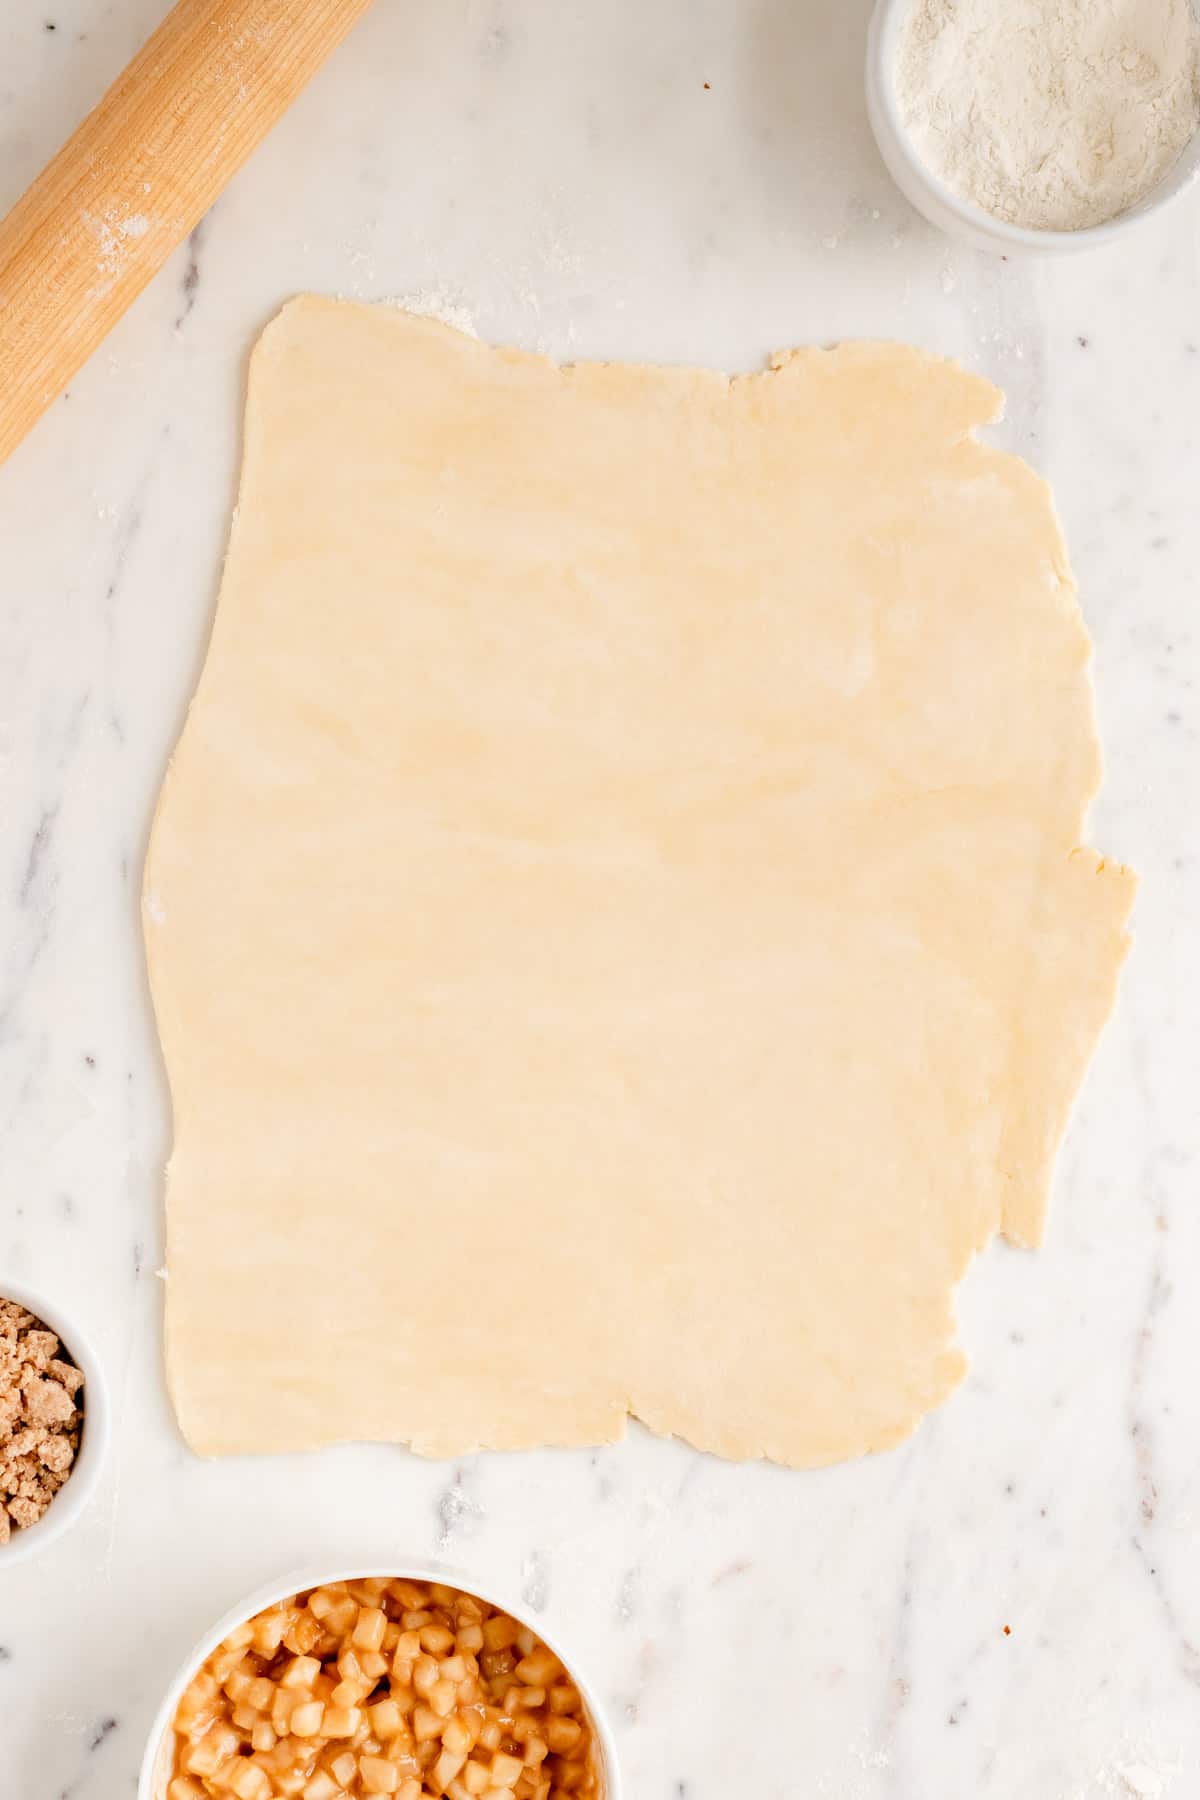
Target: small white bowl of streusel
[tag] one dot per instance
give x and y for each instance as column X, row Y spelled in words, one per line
column 53, row 1422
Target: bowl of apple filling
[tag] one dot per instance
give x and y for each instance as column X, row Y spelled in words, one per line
column 352, row 1687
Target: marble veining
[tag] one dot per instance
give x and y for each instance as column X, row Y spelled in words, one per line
column 1009, row 1605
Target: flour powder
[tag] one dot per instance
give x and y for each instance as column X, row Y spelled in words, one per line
column 1052, row 114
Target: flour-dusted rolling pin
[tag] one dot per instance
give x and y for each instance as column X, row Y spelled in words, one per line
column 138, row 175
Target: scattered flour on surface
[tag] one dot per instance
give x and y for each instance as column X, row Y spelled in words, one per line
column 1132, row 1771
column 1146, row 1784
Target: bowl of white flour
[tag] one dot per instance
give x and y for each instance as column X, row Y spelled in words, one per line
column 1036, row 125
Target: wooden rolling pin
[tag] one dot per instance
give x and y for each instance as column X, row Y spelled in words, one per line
column 139, row 175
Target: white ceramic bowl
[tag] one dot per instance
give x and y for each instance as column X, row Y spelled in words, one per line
column 156, row 1764
column 957, row 217
column 77, row 1490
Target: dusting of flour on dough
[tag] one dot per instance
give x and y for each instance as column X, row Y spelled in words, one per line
column 438, row 303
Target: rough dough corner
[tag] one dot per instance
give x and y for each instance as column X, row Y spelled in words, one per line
column 617, row 916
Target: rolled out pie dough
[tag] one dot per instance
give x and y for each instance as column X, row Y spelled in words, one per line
column 616, row 915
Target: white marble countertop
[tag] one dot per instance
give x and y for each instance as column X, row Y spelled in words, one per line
column 691, row 180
